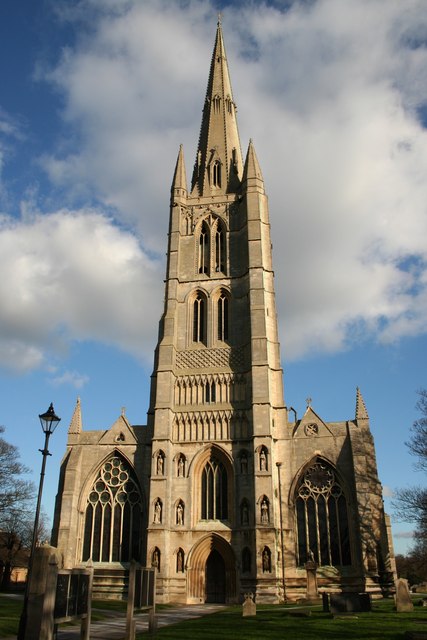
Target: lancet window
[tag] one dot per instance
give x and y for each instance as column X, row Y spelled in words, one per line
column 222, row 319
column 199, row 318
column 214, row 491
column 204, row 249
column 112, row 529
column 219, row 249
column 216, row 174
column 210, row 236
column 322, row 517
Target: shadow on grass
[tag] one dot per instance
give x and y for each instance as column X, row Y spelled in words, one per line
column 382, row 623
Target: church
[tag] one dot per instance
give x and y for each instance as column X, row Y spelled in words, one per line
column 225, row 490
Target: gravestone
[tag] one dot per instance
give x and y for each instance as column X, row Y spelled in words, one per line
column 311, row 569
column 403, row 599
column 249, row 606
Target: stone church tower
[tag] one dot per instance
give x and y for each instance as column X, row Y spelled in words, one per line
column 221, row 491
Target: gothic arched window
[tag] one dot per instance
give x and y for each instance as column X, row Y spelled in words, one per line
column 204, row 246
column 219, row 249
column 214, row 491
column 199, row 318
column 322, row 517
column 112, row 529
column 216, row 174
column 222, row 307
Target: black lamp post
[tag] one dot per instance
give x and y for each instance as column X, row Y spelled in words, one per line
column 49, row 421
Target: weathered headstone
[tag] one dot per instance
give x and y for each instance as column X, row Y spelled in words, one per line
column 311, row 569
column 249, row 606
column 403, row 599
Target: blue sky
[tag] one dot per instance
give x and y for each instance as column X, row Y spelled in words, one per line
column 96, row 97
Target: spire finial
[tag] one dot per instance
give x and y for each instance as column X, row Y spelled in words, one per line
column 219, row 18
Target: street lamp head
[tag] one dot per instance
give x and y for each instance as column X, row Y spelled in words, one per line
column 49, row 420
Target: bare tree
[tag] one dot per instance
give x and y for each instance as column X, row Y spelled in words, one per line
column 410, row 503
column 15, row 492
column 16, row 510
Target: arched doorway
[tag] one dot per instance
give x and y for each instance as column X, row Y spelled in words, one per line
column 211, row 571
column 215, row 577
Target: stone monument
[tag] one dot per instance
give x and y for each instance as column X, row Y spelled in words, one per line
column 249, row 606
column 403, row 598
column 311, row 569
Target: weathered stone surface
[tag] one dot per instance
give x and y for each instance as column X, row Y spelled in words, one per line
column 403, row 598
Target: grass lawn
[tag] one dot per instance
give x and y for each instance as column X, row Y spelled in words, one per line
column 10, row 611
column 272, row 622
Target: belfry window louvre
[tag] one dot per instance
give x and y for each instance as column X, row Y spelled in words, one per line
column 112, row 529
column 322, row 518
column 214, row 491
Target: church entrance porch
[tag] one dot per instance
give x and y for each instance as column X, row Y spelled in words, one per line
column 211, row 572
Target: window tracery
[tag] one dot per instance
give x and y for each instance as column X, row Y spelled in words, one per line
column 322, row 517
column 214, row 491
column 113, row 526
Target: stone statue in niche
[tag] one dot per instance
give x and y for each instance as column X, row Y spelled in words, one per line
column 180, row 514
column 180, row 561
column 266, row 561
column 156, row 559
column 262, row 460
column 265, row 516
column 160, row 464
column 244, row 464
column 157, row 512
column 181, row 467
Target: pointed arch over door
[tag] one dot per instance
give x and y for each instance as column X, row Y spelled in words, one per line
column 211, row 571
column 321, row 511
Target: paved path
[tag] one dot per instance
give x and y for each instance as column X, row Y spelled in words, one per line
column 114, row 628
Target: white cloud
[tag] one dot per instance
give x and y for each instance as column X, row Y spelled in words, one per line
column 387, row 492
column 73, row 378
column 331, row 93
column 73, row 275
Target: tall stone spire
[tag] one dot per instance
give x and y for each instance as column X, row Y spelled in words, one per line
column 218, row 167
column 361, row 412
